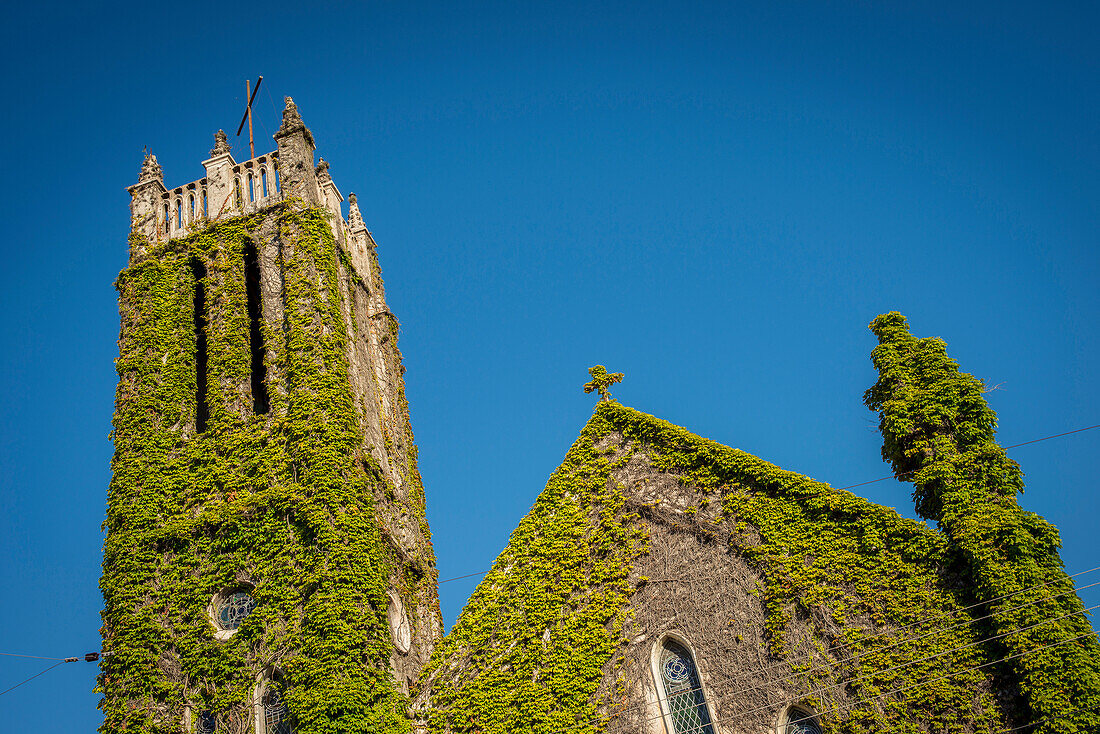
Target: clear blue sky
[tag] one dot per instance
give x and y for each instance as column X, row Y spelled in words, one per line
column 714, row 200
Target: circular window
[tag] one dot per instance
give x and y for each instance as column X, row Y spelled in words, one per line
column 231, row 609
column 228, row 609
column 677, row 669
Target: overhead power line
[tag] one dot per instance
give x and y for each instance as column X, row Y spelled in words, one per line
column 929, row 681
column 850, row 486
column 1006, row 448
column 90, row 657
column 28, row 680
column 847, row 681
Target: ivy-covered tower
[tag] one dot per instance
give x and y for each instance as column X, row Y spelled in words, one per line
column 267, row 567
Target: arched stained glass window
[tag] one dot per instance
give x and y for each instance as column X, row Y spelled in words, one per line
column 687, row 707
column 800, row 721
column 206, row 723
column 276, row 715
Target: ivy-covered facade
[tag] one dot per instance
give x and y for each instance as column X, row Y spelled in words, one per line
column 664, row 583
column 267, row 561
column 268, row 567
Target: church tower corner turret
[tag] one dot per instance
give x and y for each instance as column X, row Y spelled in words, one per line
column 296, row 149
column 267, row 566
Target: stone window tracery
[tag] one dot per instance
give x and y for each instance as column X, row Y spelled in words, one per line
column 799, row 720
column 271, row 713
column 206, row 723
column 683, row 700
column 228, row 611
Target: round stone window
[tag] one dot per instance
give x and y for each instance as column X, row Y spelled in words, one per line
column 233, row 608
column 228, row 610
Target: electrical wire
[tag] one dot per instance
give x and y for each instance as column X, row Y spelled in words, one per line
column 1004, row 448
column 89, row 657
column 924, row 682
column 28, row 680
column 850, row 486
column 36, row 657
column 933, row 633
column 848, row 681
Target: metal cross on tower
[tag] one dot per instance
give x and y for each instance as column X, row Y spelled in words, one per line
column 251, row 94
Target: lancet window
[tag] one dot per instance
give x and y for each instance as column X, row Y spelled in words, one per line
column 800, row 721
column 685, row 704
column 272, row 714
column 206, row 723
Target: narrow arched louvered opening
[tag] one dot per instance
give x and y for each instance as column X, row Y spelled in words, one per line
column 202, row 410
column 261, row 402
column 685, row 702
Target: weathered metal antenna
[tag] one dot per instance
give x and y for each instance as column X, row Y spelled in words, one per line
column 251, row 94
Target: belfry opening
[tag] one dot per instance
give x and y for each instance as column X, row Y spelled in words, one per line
column 261, row 403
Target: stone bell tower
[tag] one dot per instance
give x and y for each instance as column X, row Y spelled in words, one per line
column 268, row 566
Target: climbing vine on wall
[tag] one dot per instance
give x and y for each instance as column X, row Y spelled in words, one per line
column 528, row 651
column 882, row 582
column 938, row 432
column 279, row 504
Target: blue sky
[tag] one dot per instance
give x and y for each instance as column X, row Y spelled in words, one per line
column 714, row 200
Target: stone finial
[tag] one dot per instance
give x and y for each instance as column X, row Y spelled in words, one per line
column 290, row 113
column 355, row 218
column 221, row 144
column 150, row 169
column 292, row 123
column 322, row 172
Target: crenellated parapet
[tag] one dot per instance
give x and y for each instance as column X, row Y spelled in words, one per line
column 231, row 188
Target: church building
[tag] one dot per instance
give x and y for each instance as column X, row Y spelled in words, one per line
column 268, row 567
